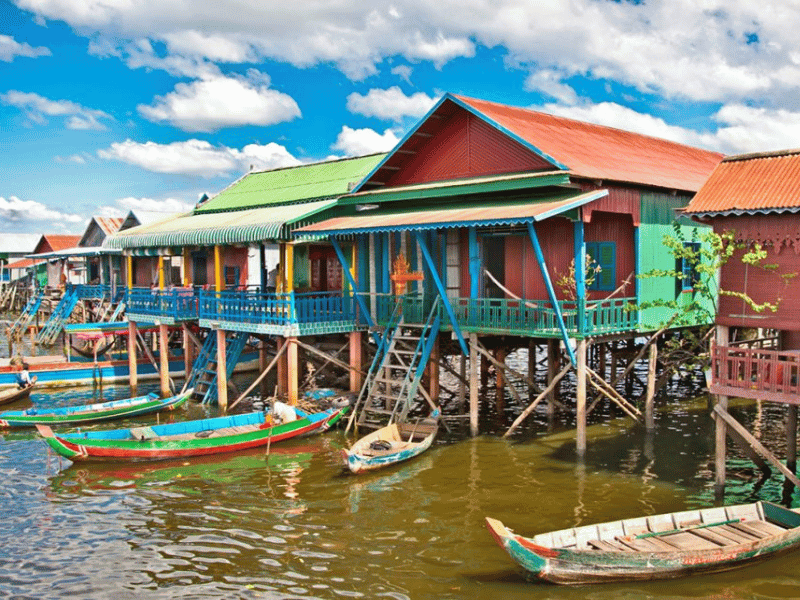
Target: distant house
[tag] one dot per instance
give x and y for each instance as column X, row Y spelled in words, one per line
column 49, row 271
column 14, row 247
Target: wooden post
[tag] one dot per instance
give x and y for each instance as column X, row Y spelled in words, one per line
column 163, row 359
column 161, row 273
column 462, row 383
column 262, row 366
column 791, row 449
column 188, row 351
column 292, row 371
column 282, row 377
column 129, row 271
column 132, row 358
column 187, row 275
column 434, row 370
column 649, row 417
column 356, row 363
column 473, row 384
column 222, row 371
column 531, row 366
column 602, row 349
column 553, row 361
column 219, row 284
column 580, row 396
column 720, row 428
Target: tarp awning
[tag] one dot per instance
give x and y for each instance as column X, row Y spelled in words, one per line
column 461, row 216
column 271, row 223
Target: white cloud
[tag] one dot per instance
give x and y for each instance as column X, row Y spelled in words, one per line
column 390, row 104
column 218, row 102
column 167, row 206
column 403, row 72
column 78, row 159
column 358, row 142
column 37, row 108
column 198, row 158
column 550, row 83
column 29, row 211
column 9, row 48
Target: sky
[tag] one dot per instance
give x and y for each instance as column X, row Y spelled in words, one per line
column 108, row 106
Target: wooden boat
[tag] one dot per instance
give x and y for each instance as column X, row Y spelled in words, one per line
column 657, row 547
column 190, row 438
column 91, row 413
column 392, row 444
column 12, row 395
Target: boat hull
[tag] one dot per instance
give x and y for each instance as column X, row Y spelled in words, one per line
column 93, row 413
column 362, row 458
column 571, row 567
column 120, row 445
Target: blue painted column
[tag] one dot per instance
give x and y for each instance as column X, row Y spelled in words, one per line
column 474, row 275
column 550, row 291
column 349, row 276
column 580, row 275
column 387, row 264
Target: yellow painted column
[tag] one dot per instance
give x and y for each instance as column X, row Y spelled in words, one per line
column 187, row 276
column 129, row 271
column 161, row 272
column 289, row 268
column 219, row 283
column 356, row 362
column 163, row 359
column 353, row 263
column 222, row 372
column 132, row 358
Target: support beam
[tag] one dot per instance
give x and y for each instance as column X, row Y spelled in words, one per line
column 289, row 285
column 580, row 274
column 433, row 365
column 473, row 384
column 356, row 361
column 129, row 272
column 553, row 362
column 282, row 377
column 292, row 371
column 187, row 262
column 261, row 377
column 649, row 404
column 163, row 359
column 222, row 371
column 442, row 292
column 580, row 397
column 132, row 357
column 721, row 339
column 188, row 351
column 791, row 448
column 219, row 284
column 160, row 272
column 551, row 293
column 538, row 399
column 361, row 304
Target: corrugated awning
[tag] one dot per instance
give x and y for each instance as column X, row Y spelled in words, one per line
column 462, row 216
column 77, row 251
column 235, row 227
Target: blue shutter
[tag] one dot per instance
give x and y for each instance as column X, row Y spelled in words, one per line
column 604, row 255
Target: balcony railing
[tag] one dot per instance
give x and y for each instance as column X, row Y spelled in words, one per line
column 176, row 303
column 755, row 373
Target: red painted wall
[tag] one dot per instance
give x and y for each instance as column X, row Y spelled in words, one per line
column 780, row 235
column 608, row 227
column 466, row 146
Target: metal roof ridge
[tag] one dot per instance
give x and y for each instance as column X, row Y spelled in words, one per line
column 315, row 163
column 754, row 155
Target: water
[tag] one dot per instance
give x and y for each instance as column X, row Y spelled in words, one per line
column 293, row 525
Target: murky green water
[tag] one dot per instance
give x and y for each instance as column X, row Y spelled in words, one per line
column 291, row 524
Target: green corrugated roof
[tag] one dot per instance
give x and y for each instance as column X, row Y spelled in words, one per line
column 271, row 223
column 292, row 184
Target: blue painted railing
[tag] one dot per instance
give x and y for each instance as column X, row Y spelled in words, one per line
column 176, row 303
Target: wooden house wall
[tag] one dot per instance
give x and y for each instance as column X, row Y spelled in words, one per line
column 780, row 237
column 144, row 271
column 467, row 146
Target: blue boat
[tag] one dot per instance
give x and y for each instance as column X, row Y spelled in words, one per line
column 392, row 444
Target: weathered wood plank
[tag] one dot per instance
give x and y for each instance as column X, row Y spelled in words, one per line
column 714, row 537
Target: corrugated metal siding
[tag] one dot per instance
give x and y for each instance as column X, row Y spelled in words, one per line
column 623, row 200
column 466, row 146
column 769, row 181
column 608, row 227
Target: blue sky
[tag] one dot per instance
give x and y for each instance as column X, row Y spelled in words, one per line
column 111, row 105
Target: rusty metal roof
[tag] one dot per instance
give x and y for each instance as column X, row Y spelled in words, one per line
column 485, row 215
column 765, row 182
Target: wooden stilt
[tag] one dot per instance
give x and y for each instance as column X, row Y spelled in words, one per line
column 500, row 380
column 435, row 388
column 791, row 449
column 531, row 366
column 222, row 371
column 261, row 377
column 132, row 358
column 462, row 384
column 553, row 357
column 282, row 377
column 473, row 384
column 188, row 351
column 580, row 397
column 602, row 350
column 163, row 359
column 292, row 371
column 649, row 416
column 719, row 434
column 538, row 399
column 262, row 366
column 356, row 366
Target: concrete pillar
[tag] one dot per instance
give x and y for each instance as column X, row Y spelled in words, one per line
column 292, row 371
column 473, row 384
column 163, row 359
column 222, row 371
column 132, row 357
column 580, row 396
column 356, row 361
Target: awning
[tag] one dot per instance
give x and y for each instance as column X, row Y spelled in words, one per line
column 77, row 251
column 235, row 227
column 474, row 215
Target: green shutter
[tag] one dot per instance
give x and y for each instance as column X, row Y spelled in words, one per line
column 603, row 254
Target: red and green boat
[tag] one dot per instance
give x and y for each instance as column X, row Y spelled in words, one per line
column 189, row 438
column 655, row 547
column 92, row 413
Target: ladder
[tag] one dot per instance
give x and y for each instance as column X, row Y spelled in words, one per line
column 54, row 325
column 28, row 313
column 204, row 371
column 394, row 380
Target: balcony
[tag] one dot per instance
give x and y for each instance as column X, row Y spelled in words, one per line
column 165, row 306
column 753, row 372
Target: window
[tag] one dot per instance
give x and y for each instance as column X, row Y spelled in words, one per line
column 687, row 268
column 604, row 256
column 231, row 277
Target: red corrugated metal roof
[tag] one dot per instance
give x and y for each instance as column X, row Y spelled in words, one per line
column 109, row 225
column 599, row 152
column 500, row 214
column 751, row 182
column 59, row 242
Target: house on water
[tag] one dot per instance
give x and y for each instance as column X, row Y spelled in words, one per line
column 756, row 199
column 510, row 228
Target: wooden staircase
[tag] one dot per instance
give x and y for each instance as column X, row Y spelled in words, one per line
column 392, row 383
column 28, row 314
column 55, row 324
column 204, row 371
